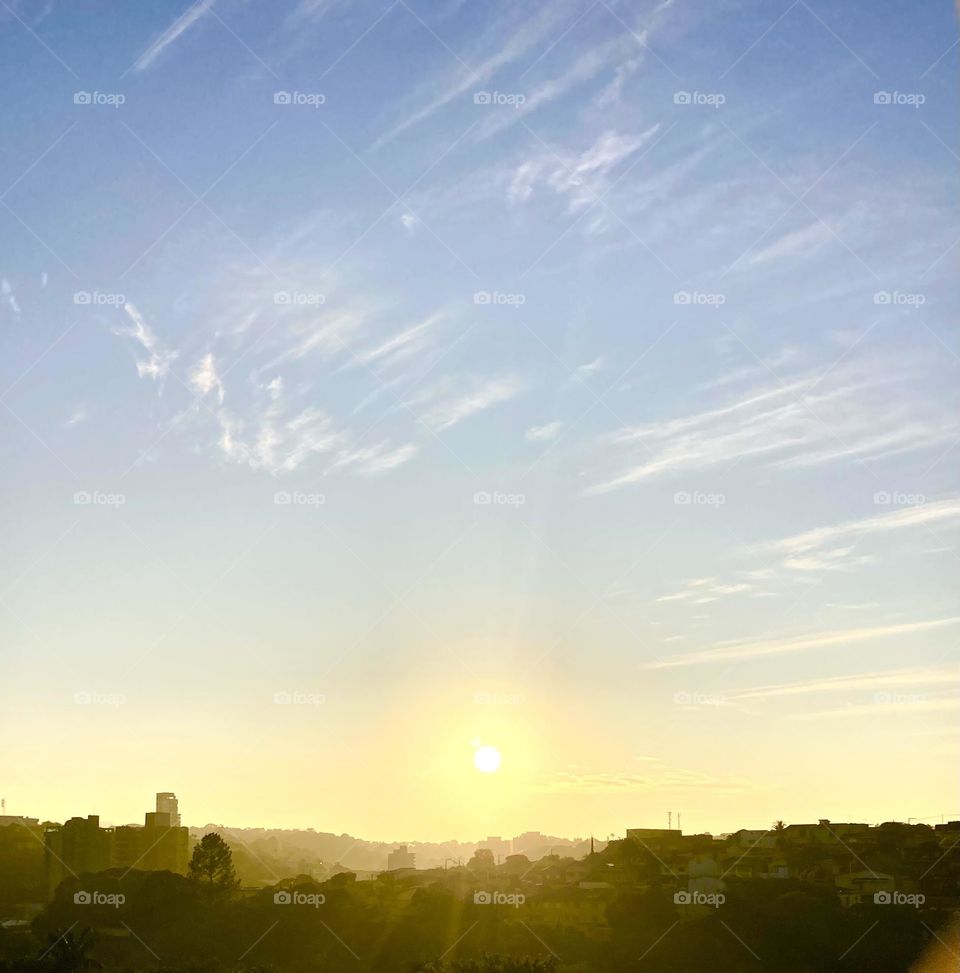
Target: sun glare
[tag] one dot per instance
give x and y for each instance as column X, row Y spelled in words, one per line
column 487, row 759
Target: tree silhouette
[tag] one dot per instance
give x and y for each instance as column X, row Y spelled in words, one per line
column 212, row 865
column 67, row 953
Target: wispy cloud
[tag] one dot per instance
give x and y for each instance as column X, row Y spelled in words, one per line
column 176, row 30
column 703, row 590
column 80, row 414
column 204, row 377
column 795, row 245
column 728, row 652
column 818, row 417
column 889, row 678
column 817, row 548
column 539, row 434
column 881, row 710
column 449, row 403
column 504, row 42
column 580, row 178
column 370, row 460
column 6, row 292
column 399, row 346
column 158, row 364
column 623, row 51
column 659, row 778
column 276, row 442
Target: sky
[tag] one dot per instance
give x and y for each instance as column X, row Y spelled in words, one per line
column 387, row 380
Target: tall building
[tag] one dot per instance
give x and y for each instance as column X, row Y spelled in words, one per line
column 499, row 846
column 80, row 845
column 401, row 858
column 167, row 803
column 74, row 847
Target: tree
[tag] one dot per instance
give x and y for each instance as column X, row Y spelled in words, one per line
column 780, row 830
column 212, row 865
column 482, row 863
column 68, row 953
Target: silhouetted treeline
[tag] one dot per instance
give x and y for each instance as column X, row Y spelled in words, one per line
column 519, row 917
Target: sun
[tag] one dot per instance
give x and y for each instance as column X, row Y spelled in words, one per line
column 487, row 759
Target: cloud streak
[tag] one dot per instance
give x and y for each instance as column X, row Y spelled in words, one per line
column 804, row 421
column 176, row 30
column 731, row 652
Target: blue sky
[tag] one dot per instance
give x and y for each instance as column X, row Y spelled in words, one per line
column 578, row 379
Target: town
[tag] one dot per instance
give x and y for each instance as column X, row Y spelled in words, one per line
column 585, row 897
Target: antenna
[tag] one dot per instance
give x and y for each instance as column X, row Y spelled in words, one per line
column 669, row 820
column 678, row 820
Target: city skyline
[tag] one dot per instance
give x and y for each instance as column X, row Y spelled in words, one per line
column 442, row 419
